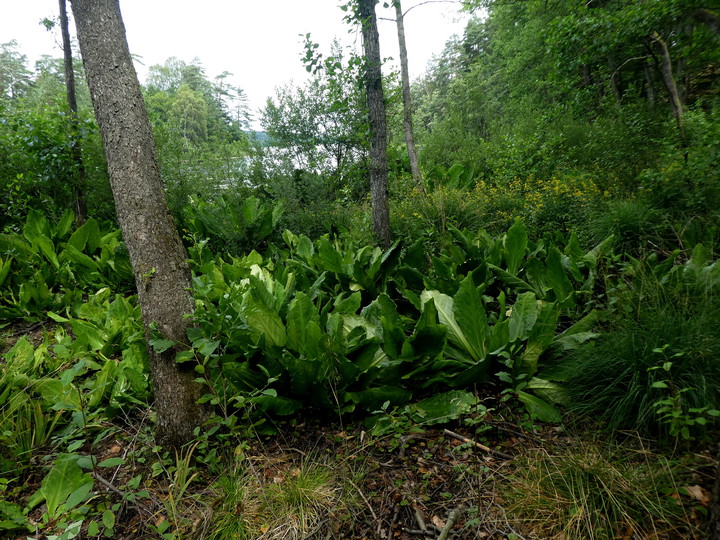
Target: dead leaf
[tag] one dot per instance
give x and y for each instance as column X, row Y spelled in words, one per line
column 698, row 493
column 439, row 523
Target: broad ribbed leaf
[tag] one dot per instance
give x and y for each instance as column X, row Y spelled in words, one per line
column 523, row 316
column 303, row 330
column 264, row 323
column 86, row 235
column 65, row 224
column 64, row 478
column 443, row 407
column 471, row 318
column 539, row 408
column 556, row 277
column 514, row 246
column 329, row 256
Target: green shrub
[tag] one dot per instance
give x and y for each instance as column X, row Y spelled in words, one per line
column 636, row 226
column 669, row 317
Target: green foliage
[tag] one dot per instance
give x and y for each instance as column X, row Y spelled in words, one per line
column 672, row 410
column 671, row 308
column 329, row 326
column 38, row 166
column 320, row 128
column 634, row 225
column 232, row 224
column 48, row 266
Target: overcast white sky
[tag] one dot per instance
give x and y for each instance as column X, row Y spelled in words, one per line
column 256, row 40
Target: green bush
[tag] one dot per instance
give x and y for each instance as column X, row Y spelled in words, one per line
column 661, row 343
column 635, row 225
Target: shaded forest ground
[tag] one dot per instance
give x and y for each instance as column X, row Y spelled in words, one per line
column 512, row 478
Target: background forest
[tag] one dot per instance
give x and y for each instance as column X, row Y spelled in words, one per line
column 551, row 290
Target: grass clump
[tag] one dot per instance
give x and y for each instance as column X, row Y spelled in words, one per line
column 662, row 346
column 280, row 499
column 596, row 490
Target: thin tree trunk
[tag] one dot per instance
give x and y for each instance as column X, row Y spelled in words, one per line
column 708, row 17
column 650, row 84
column 613, row 82
column 669, row 81
column 79, row 176
column 713, row 529
column 407, row 101
column 378, row 125
column 158, row 257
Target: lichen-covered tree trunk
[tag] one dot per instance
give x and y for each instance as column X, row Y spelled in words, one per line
column 378, row 123
column 158, row 257
column 669, row 80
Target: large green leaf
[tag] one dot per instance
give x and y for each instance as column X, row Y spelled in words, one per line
column 556, row 276
column 5, row 269
column 515, row 283
column 303, row 329
column 443, row 407
column 263, row 322
column 523, row 317
column 471, row 347
column 540, row 338
column 64, row 225
column 514, row 246
column 72, row 254
column 36, row 225
column 330, row 258
column 539, row 408
column 373, row 398
column 87, row 235
column 64, row 478
column 471, row 318
column 47, row 248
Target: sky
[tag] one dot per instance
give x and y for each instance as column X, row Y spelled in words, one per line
column 258, row 41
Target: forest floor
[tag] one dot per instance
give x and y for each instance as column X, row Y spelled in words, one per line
column 335, row 481
column 509, row 478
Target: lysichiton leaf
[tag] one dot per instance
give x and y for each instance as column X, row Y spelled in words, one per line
column 514, row 246
column 539, row 408
column 471, row 318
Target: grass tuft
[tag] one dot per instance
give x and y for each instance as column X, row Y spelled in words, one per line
column 598, row 491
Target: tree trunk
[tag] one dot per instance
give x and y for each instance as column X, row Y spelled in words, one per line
column 669, row 81
column 649, row 84
column 378, row 126
column 158, row 257
column 407, row 102
column 79, row 176
column 708, row 17
column 714, row 510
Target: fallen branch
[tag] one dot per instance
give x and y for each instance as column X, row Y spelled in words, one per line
column 452, row 518
column 418, row 532
column 367, row 503
column 123, row 494
column 419, row 518
column 477, row 444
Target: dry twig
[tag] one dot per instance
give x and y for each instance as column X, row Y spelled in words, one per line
column 477, row 444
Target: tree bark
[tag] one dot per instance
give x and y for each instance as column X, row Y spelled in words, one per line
column 649, row 84
column 708, row 17
column 407, row 101
column 157, row 254
column 669, row 81
column 79, row 176
column 713, row 528
column 378, row 124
